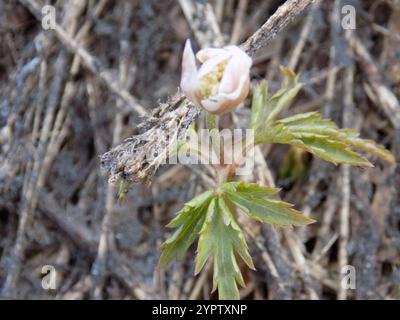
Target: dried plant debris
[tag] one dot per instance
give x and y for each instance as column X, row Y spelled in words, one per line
column 138, row 157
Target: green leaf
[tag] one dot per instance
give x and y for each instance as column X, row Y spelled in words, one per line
column 210, row 216
column 189, row 221
column 368, row 146
column 220, row 238
column 283, row 100
column 251, row 189
column 266, row 109
column 259, row 205
column 322, row 138
column 307, row 131
column 259, row 107
column 334, row 151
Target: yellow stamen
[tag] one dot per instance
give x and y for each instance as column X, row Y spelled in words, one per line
column 209, row 84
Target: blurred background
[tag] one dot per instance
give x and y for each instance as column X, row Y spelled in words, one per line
column 68, row 95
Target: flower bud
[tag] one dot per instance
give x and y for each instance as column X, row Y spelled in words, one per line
column 221, row 83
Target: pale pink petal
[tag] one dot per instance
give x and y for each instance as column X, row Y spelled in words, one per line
column 238, row 66
column 240, row 54
column 235, row 82
column 207, row 53
column 189, row 68
column 210, row 64
column 230, row 77
column 189, row 73
column 224, row 102
column 212, row 104
column 237, row 92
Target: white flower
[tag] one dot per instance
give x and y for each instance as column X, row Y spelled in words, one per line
column 222, row 81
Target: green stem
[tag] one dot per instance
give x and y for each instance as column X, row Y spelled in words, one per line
column 211, row 124
column 211, row 121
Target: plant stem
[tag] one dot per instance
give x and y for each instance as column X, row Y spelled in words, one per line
column 211, row 121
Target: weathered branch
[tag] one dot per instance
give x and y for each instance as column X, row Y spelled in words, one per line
column 285, row 14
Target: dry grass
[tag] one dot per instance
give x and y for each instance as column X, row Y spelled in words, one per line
column 71, row 94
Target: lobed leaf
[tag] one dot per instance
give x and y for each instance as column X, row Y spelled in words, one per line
column 252, row 189
column 189, row 221
column 307, row 131
column 368, row 146
column 266, row 109
column 259, row 106
column 220, row 238
column 262, row 208
column 210, row 216
column 333, row 151
column 322, row 138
